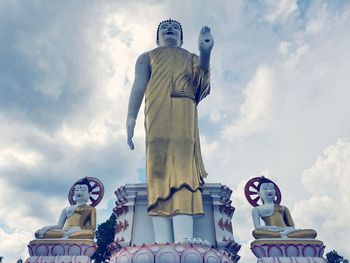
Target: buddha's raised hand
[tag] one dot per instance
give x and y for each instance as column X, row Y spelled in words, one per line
column 205, row 40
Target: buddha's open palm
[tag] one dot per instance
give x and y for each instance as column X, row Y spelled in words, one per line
column 205, row 40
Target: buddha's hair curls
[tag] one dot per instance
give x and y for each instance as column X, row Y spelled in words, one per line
column 84, row 181
column 172, row 21
column 264, row 180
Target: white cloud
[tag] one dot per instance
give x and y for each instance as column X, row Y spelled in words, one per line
column 279, row 9
column 27, row 210
column 9, row 156
column 294, row 56
column 256, row 111
column 23, row 212
column 215, row 116
column 242, row 222
column 330, row 172
column 12, row 245
column 326, row 210
column 318, row 22
column 284, row 47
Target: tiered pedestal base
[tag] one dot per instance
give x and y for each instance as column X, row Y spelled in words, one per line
column 134, row 239
column 172, row 253
column 288, row 250
column 59, row 259
column 61, row 250
column 292, row 260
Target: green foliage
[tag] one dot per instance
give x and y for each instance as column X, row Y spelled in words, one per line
column 104, row 235
column 333, row 257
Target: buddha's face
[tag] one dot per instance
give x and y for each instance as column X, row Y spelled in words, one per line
column 169, row 34
column 267, row 192
column 81, row 193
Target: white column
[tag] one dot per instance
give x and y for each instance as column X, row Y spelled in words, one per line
column 183, row 227
column 163, row 229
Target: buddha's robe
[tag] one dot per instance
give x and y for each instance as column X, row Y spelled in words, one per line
column 174, row 165
column 84, row 216
column 281, row 217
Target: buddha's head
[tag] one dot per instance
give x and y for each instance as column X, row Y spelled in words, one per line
column 82, row 191
column 266, row 190
column 169, row 34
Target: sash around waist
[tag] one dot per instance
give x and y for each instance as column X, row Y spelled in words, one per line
column 182, row 94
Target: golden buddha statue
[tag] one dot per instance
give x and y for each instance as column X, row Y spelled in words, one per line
column 77, row 221
column 278, row 222
column 173, row 81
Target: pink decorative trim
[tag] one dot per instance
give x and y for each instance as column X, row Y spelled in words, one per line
column 219, row 218
column 121, row 226
column 225, row 195
column 180, row 253
column 121, row 195
column 291, row 260
column 61, row 249
column 55, row 250
column 60, row 259
column 228, row 226
column 227, row 209
column 120, row 210
column 288, row 250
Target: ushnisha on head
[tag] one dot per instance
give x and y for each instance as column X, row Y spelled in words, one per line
column 82, row 191
column 169, row 34
column 266, row 190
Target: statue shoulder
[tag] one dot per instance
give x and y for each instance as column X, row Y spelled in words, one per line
column 281, row 207
column 69, row 210
column 143, row 59
column 255, row 210
column 285, row 209
column 195, row 58
column 194, row 55
column 89, row 207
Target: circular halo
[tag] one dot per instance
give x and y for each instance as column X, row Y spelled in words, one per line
column 97, row 192
column 251, row 192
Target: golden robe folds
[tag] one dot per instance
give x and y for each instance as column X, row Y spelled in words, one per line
column 174, row 165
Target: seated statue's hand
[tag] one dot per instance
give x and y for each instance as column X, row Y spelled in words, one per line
column 286, row 231
column 70, row 231
column 272, row 228
column 205, row 40
column 130, row 125
column 42, row 231
column 41, row 234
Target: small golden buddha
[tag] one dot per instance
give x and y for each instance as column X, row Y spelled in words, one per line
column 277, row 218
column 77, row 221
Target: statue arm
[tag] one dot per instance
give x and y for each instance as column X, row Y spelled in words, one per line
column 205, row 45
column 202, row 75
column 61, row 221
column 59, row 226
column 92, row 221
column 256, row 218
column 201, row 80
column 288, row 217
column 142, row 76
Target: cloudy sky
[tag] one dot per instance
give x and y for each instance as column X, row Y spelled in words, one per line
column 279, row 106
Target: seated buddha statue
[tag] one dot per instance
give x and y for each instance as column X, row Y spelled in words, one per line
column 278, row 222
column 77, row 221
